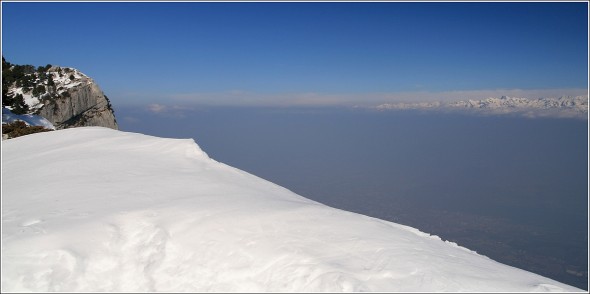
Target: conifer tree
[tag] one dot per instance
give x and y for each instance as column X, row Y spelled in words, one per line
column 19, row 105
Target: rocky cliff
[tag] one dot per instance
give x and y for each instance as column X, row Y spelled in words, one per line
column 81, row 103
column 64, row 96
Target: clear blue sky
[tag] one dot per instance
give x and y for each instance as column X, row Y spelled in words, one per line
column 241, row 53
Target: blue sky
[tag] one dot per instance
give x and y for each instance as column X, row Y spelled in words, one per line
column 306, row 53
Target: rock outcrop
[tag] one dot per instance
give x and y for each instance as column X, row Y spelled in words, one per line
column 82, row 104
column 64, row 96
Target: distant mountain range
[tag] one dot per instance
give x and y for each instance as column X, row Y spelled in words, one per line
column 566, row 106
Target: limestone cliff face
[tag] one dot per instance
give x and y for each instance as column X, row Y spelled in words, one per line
column 64, row 96
column 83, row 105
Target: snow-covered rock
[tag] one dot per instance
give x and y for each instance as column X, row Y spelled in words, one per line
column 94, row 209
column 29, row 119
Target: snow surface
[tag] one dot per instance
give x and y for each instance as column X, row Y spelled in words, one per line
column 95, row 209
column 29, row 119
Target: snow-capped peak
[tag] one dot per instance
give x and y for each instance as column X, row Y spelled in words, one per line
column 565, row 106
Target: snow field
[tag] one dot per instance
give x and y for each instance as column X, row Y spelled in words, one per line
column 94, row 209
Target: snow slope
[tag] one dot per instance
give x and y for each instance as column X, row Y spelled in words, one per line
column 94, row 209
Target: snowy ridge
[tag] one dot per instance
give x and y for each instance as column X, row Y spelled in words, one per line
column 94, row 209
column 566, row 106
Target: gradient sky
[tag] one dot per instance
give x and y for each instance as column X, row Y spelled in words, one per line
column 306, row 53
